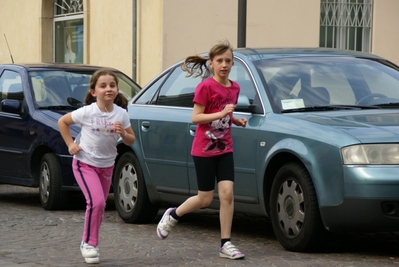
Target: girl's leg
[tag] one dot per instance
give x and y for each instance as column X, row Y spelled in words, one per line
column 225, row 179
column 105, row 175
column 201, row 200
column 89, row 182
column 225, row 189
column 205, row 168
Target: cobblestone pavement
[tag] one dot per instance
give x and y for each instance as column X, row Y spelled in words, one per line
column 31, row 236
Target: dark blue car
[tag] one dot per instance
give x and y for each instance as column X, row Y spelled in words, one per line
column 33, row 97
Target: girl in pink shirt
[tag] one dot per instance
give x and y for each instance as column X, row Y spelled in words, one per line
column 212, row 148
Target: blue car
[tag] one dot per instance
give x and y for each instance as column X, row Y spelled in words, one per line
column 320, row 152
column 32, row 99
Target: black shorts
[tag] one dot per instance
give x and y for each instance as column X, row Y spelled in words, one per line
column 208, row 168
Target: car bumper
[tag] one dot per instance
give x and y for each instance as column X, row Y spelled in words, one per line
column 370, row 200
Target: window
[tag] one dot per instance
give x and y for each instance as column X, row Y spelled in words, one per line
column 11, row 86
column 178, row 90
column 68, row 31
column 346, row 24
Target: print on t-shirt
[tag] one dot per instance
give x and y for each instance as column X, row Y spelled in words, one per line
column 218, row 129
column 101, row 125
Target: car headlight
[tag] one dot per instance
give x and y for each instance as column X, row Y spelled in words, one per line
column 381, row 154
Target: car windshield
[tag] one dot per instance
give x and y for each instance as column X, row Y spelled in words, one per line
column 306, row 83
column 67, row 89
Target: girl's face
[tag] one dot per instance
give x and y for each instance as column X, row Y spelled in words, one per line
column 106, row 89
column 221, row 64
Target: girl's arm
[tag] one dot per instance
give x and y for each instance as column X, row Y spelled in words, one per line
column 199, row 117
column 129, row 137
column 63, row 124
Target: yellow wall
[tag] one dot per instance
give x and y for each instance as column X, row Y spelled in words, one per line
column 149, row 40
column 385, row 30
column 109, row 34
column 191, row 27
column 23, row 31
column 169, row 30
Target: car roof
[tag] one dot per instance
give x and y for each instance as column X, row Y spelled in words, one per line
column 264, row 52
column 56, row 66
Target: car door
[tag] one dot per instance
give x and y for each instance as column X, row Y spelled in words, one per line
column 164, row 131
column 245, row 142
column 15, row 139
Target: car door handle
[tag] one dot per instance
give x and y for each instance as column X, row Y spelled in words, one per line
column 193, row 128
column 145, row 125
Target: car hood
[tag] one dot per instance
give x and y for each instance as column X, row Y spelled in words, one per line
column 367, row 126
column 51, row 117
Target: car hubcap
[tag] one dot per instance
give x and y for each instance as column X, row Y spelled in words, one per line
column 45, row 182
column 127, row 187
column 290, row 208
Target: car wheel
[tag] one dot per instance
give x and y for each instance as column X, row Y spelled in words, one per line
column 130, row 191
column 50, row 183
column 294, row 210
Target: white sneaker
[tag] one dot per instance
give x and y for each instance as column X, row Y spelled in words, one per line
column 166, row 224
column 92, row 260
column 230, row 251
column 90, row 253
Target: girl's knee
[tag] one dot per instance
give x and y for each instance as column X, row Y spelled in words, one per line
column 206, row 202
column 226, row 196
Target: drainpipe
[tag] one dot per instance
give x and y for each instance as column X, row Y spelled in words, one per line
column 242, row 23
column 134, row 41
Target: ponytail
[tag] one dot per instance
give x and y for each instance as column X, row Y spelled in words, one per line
column 196, row 66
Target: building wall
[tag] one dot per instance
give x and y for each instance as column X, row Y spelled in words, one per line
column 169, row 30
column 191, row 27
column 22, row 29
column 108, row 34
column 385, row 37
column 150, row 53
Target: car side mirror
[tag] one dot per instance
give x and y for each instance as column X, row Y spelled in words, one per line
column 244, row 105
column 10, row 106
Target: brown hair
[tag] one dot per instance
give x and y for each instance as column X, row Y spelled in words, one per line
column 197, row 65
column 120, row 99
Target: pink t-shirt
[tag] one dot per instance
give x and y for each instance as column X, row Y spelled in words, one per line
column 214, row 138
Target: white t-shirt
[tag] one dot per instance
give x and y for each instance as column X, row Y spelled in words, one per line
column 98, row 138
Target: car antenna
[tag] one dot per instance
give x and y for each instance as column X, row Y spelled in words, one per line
column 9, row 49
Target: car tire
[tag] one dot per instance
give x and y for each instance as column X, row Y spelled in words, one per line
column 50, row 183
column 294, row 210
column 130, row 191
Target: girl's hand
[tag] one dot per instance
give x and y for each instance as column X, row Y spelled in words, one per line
column 227, row 110
column 119, row 129
column 240, row 122
column 74, row 148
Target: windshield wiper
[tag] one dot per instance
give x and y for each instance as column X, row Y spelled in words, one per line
column 60, row 107
column 389, row 105
column 327, row 108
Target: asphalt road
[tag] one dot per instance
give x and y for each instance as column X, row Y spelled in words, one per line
column 31, row 236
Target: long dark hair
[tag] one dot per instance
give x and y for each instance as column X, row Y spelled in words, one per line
column 120, row 99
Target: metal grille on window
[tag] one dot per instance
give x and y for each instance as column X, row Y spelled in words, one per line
column 68, row 7
column 346, row 24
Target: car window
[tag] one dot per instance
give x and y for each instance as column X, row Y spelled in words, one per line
column 308, row 82
column 126, row 86
column 239, row 73
column 148, row 96
column 178, row 90
column 11, row 86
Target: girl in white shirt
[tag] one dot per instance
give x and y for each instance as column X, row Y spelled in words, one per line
column 102, row 124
